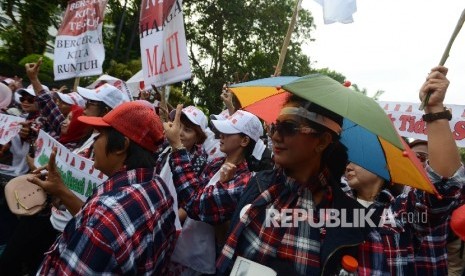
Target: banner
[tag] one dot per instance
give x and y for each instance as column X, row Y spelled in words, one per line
column 407, row 120
column 9, row 127
column 79, row 48
column 78, row 173
column 163, row 43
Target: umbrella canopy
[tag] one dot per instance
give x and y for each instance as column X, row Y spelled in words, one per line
column 252, row 91
column 368, row 133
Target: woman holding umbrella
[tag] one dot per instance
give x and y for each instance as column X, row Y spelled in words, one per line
column 311, row 160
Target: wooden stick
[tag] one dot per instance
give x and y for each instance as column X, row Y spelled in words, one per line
column 287, row 39
column 445, row 55
column 76, row 84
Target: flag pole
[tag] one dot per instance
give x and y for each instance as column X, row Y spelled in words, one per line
column 445, row 55
column 287, row 39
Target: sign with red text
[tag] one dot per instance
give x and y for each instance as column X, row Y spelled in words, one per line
column 9, row 127
column 79, row 48
column 407, row 120
column 163, row 42
column 78, row 173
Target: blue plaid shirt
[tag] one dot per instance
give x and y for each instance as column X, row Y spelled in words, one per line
column 125, row 227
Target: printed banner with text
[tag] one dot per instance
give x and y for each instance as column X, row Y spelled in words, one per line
column 408, row 122
column 163, row 43
column 79, row 50
column 78, row 173
column 9, row 127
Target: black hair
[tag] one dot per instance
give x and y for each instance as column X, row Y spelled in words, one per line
column 335, row 155
column 251, row 160
column 137, row 156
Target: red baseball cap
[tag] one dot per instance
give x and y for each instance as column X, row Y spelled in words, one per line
column 134, row 120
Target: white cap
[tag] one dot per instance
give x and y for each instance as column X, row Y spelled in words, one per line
column 72, row 98
column 222, row 116
column 30, row 91
column 241, row 122
column 196, row 116
column 7, row 81
column 106, row 93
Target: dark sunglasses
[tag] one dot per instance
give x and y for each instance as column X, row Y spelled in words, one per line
column 422, row 156
column 29, row 99
column 288, row 128
column 90, row 103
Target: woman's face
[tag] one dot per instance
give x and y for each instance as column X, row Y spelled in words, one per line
column 188, row 136
column 230, row 143
column 64, row 107
column 106, row 163
column 358, row 177
column 28, row 103
column 295, row 145
column 66, row 122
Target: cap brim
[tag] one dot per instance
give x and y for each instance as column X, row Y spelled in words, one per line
column 88, row 94
column 224, row 126
column 93, row 121
column 64, row 98
column 29, row 91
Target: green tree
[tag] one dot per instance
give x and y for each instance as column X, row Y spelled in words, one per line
column 27, row 32
column 226, row 37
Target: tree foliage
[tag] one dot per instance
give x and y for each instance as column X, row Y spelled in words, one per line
column 27, row 32
column 226, row 37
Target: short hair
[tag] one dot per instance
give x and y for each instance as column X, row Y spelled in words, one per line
column 197, row 129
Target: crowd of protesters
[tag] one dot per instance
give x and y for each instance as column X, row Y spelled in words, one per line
column 188, row 194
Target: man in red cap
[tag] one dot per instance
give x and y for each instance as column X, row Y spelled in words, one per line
column 127, row 225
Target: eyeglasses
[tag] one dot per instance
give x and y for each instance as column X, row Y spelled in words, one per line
column 422, row 156
column 288, row 128
column 29, row 99
column 91, row 102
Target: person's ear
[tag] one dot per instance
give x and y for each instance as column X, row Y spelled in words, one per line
column 125, row 147
column 324, row 140
column 245, row 141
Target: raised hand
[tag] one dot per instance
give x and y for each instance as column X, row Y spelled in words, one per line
column 173, row 129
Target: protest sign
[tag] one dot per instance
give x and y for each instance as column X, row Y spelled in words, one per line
column 163, row 43
column 408, row 122
column 78, row 173
column 79, row 47
column 9, row 127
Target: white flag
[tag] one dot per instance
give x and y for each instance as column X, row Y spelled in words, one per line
column 338, row 10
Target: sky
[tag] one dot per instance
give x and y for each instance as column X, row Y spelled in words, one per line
column 391, row 46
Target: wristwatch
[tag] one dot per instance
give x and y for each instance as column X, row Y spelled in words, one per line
column 446, row 114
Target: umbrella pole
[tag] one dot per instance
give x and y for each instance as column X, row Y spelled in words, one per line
column 445, row 55
column 287, row 39
column 76, row 83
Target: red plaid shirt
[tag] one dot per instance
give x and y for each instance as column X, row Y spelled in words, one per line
column 213, row 204
column 126, row 227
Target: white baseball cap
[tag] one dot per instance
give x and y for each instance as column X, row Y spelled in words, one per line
column 222, row 116
column 72, row 98
column 196, row 116
column 241, row 122
column 30, row 90
column 106, row 93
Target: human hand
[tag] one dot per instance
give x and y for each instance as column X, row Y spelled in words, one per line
column 32, row 69
column 227, row 172
column 173, row 129
column 436, row 84
column 25, row 130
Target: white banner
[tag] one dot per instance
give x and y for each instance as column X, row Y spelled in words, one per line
column 407, row 120
column 163, row 42
column 9, row 127
column 78, row 173
column 79, row 50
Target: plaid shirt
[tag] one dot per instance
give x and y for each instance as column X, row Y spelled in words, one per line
column 197, row 155
column 125, row 227
column 52, row 114
column 213, row 204
column 417, row 243
column 388, row 250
